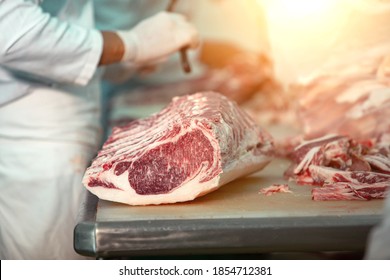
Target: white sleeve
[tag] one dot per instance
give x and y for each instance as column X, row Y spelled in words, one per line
column 33, row 42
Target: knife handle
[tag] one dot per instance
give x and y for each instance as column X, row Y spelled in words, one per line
column 171, row 5
column 185, row 64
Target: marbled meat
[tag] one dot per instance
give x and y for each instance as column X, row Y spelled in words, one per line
column 192, row 147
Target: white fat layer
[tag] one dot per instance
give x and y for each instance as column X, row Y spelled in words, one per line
column 305, row 162
column 319, row 139
column 246, row 165
column 187, row 192
column 321, row 172
column 381, row 162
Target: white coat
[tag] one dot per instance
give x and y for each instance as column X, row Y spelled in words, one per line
column 49, row 123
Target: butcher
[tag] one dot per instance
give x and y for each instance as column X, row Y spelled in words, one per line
column 50, row 61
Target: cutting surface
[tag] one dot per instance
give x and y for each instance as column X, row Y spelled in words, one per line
column 234, row 218
column 241, row 199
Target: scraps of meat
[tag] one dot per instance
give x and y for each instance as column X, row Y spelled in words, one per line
column 343, row 168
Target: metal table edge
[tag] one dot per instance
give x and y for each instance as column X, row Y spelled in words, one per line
column 84, row 234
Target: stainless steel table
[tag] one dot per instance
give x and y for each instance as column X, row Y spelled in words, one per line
column 233, row 219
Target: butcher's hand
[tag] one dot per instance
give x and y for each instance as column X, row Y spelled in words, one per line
column 157, row 37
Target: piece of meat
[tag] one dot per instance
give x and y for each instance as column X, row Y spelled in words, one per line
column 334, row 151
column 379, row 162
column 350, row 191
column 275, row 188
column 323, row 175
column 195, row 145
column 343, row 168
column 348, row 185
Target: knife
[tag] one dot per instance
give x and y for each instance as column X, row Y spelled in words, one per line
column 185, row 64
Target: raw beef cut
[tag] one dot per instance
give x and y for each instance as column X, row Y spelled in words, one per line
column 195, row 145
column 348, row 185
column 350, row 191
column 344, row 169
